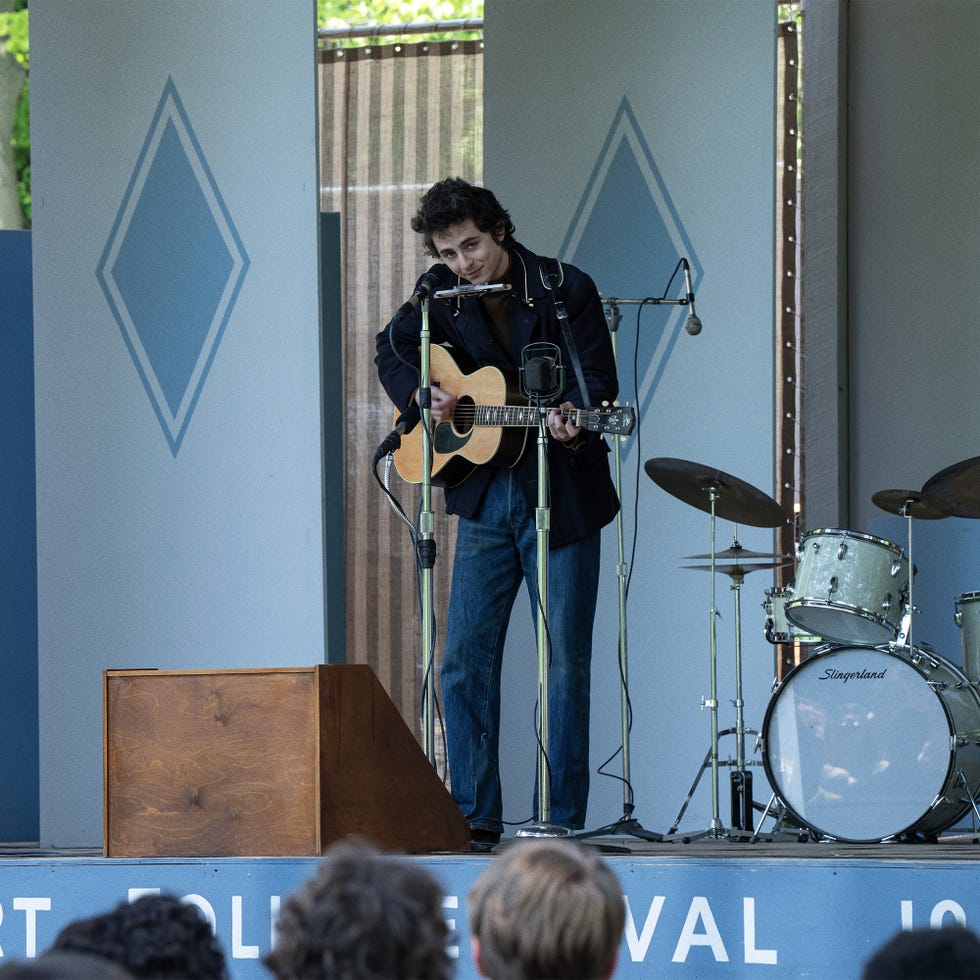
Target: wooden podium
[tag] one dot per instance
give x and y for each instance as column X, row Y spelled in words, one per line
column 257, row 762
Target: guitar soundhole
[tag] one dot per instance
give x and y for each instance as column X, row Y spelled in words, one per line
column 463, row 415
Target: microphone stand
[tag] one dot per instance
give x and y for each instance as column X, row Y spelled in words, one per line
column 542, row 522
column 426, row 545
column 627, row 824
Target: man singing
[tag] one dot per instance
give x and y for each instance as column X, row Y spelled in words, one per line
column 471, row 234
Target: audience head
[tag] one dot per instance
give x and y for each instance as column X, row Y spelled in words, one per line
column 950, row 953
column 546, row 908
column 363, row 915
column 155, row 936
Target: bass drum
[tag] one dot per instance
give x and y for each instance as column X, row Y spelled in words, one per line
column 866, row 743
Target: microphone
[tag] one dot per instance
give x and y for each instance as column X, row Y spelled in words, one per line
column 405, row 423
column 541, row 372
column 693, row 324
column 422, row 290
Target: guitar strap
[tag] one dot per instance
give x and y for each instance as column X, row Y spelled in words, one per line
column 553, row 275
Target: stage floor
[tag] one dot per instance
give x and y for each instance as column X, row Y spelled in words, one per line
column 715, row 907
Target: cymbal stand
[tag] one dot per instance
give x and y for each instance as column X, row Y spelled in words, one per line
column 905, row 633
column 715, row 828
column 741, row 776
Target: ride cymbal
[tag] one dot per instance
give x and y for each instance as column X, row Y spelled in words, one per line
column 734, row 499
column 959, row 486
column 912, row 503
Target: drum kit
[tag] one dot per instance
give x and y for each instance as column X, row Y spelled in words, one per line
column 870, row 737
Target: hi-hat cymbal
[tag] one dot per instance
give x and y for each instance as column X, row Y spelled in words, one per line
column 736, row 570
column 734, row 499
column 739, row 554
column 959, row 486
column 912, row 503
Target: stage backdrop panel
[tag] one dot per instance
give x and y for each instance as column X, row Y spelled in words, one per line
column 18, row 546
column 177, row 357
column 913, row 156
column 623, row 136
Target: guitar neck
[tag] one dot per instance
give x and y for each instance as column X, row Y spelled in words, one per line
column 521, row 416
column 616, row 419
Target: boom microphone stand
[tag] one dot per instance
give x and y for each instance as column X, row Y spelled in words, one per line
column 627, row 825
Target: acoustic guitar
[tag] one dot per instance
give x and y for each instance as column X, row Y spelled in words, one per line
column 490, row 423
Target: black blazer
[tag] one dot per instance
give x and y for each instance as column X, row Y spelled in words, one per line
column 582, row 495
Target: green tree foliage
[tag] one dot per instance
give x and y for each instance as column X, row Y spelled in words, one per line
column 14, row 44
column 330, row 13
column 358, row 13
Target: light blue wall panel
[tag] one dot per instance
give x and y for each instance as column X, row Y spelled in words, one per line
column 623, row 135
column 177, row 336
column 913, row 158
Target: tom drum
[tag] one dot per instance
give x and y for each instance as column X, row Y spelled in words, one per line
column 778, row 628
column 967, row 617
column 850, row 587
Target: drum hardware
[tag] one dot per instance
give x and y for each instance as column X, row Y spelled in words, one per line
column 923, row 656
column 743, row 803
column 725, row 496
column 777, row 810
column 974, row 812
column 912, row 505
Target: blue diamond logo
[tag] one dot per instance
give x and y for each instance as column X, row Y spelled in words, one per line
column 625, row 190
column 172, row 267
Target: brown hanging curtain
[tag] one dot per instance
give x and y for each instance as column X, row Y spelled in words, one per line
column 394, row 119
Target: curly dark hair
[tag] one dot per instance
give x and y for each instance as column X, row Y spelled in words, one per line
column 454, row 200
column 363, row 915
column 155, row 936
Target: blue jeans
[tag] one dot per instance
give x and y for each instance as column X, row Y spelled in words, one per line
column 495, row 550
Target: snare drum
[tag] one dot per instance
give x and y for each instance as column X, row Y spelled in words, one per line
column 778, row 628
column 850, row 587
column 865, row 743
column 967, row 617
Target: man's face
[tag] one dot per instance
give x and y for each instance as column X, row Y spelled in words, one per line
column 474, row 255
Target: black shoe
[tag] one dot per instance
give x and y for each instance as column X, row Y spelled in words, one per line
column 483, row 841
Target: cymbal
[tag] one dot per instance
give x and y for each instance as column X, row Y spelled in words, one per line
column 959, row 486
column 739, row 553
column 912, row 503
column 735, row 500
column 736, row 570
